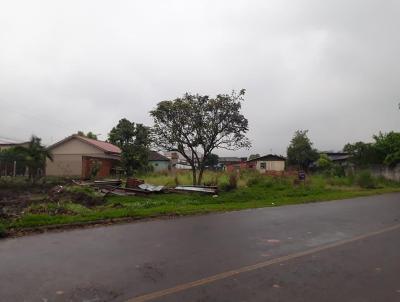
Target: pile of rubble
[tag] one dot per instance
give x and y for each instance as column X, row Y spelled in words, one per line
column 134, row 186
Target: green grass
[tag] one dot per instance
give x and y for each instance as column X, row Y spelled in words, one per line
column 254, row 191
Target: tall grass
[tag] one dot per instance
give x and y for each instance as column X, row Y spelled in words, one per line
column 210, row 178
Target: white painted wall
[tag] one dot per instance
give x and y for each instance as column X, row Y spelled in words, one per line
column 273, row 165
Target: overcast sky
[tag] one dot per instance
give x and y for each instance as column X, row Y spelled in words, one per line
column 328, row 66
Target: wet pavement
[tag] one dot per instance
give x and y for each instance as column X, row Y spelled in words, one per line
column 118, row 263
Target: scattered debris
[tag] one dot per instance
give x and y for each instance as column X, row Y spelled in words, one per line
column 111, row 182
column 151, row 188
column 133, row 183
column 196, row 189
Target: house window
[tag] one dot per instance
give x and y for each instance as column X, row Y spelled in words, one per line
column 263, row 166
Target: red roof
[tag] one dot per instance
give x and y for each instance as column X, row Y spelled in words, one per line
column 105, row 146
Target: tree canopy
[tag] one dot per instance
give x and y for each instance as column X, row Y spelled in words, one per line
column 211, row 160
column 300, row 151
column 384, row 150
column 195, row 125
column 134, row 142
column 363, row 154
column 34, row 156
column 387, row 145
column 90, row 134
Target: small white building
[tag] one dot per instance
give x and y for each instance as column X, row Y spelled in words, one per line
column 266, row 163
column 159, row 162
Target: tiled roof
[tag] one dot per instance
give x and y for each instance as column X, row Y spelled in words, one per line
column 269, row 157
column 155, row 156
column 105, row 146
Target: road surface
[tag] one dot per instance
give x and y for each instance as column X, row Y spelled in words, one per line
column 345, row 250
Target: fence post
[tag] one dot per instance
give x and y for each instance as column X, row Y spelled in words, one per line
column 15, row 169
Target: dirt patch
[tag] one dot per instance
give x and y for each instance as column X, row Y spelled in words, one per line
column 15, row 203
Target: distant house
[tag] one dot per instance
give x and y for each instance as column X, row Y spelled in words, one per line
column 266, row 163
column 6, row 145
column 338, row 157
column 79, row 156
column 231, row 164
column 14, row 168
column 178, row 161
column 159, row 162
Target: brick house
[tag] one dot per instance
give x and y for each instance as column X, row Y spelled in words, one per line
column 79, row 156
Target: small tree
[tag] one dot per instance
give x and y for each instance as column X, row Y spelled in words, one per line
column 300, row 152
column 211, row 161
column 324, row 163
column 34, row 156
column 134, row 141
column 195, row 125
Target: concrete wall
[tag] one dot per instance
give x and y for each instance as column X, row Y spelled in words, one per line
column 274, row 165
column 386, row 172
column 159, row 166
column 67, row 158
column 64, row 165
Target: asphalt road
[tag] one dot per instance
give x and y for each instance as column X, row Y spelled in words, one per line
column 332, row 251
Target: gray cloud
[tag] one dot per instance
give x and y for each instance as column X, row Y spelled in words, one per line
column 327, row 66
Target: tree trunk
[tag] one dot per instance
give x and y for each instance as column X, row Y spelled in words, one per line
column 200, row 178
column 194, row 175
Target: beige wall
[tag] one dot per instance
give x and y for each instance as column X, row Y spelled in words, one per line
column 275, row 165
column 67, row 158
column 64, row 165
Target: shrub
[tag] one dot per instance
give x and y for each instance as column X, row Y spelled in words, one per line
column 255, row 180
column 231, row 184
column 176, row 180
column 3, row 232
column 337, row 170
column 233, row 180
column 365, row 180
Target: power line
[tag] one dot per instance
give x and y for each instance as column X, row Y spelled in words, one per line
column 11, row 140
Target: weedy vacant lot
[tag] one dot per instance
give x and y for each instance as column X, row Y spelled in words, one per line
column 24, row 206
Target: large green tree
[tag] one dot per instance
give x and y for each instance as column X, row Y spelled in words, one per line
column 195, row 125
column 388, row 146
column 134, row 141
column 300, row 151
column 363, row 154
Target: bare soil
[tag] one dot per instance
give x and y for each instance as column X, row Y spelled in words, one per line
column 14, row 203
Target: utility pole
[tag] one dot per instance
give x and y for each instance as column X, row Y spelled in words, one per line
column 15, row 169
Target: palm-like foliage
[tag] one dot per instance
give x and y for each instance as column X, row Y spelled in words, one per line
column 34, row 156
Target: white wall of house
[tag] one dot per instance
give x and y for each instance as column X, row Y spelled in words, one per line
column 273, row 165
column 159, row 165
column 67, row 158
